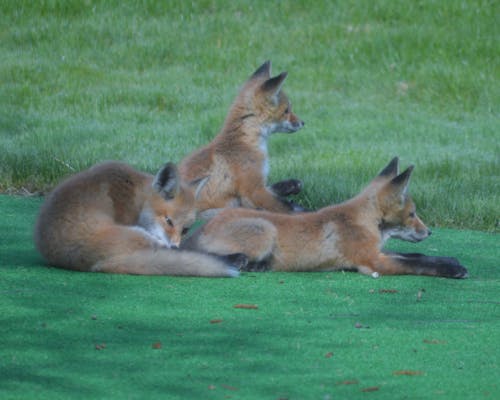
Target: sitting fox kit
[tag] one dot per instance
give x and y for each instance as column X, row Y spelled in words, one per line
column 345, row 236
column 236, row 160
column 112, row 218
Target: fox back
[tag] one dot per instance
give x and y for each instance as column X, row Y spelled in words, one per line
column 237, row 159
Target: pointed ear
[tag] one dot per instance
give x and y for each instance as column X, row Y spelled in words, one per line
column 399, row 184
column 198, row 185
column 264, row 71
column 166, row 181
column 390, row 170
column 273, row 85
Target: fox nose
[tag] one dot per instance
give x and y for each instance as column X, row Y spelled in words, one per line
column 174, row 247
column 429, row 232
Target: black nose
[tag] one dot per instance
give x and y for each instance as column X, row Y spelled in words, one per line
column 174, row 247
column 429, row 232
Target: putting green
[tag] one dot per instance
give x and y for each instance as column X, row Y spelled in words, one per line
column 261, row 336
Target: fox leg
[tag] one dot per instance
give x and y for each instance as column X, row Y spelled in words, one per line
column 287, row 187
column 253, row 237
column 264, row 198
column 392, row 263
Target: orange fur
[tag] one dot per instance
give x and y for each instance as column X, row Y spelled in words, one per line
column 112, row 218
column 236, row 161
column 344, row 236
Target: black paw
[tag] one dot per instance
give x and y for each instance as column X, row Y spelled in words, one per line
column 237, row 260
column 287, row 187
column 450, row 267
column 420, row 264
column 257, row 266
column 459, row 272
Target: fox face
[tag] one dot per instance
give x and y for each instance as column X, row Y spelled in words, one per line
column 170, row 220
column 170, row 211
column 403, row 223
column 398, row 211
column 269, row 103
column 274, row 108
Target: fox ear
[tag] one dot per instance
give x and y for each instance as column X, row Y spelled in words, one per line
column 399, row 184
column 273, row 85
column 166, row 181
column 390, row 170
column 264, row 71
column 199, row 184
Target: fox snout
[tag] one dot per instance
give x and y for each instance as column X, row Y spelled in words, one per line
column 407, row 233
column 420, row 230
column 297, row 123
column 174, row 241
column 419, row 235
column 293, row 124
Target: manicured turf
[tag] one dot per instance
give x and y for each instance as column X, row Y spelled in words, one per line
column 310, row 336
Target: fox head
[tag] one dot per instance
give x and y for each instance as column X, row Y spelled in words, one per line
column 263, row 100
column 397, row 211
column 170, row 210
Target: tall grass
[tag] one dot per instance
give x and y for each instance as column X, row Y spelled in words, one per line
column 149, row 81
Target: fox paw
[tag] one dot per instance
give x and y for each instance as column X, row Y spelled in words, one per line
column 256, row 266
column 287, row 187
column 237, row 260
column 458, row 271
column 449, row 267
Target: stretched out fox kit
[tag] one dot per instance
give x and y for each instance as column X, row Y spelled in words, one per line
column 345, row 236
column 236, row 161
column 112, row 218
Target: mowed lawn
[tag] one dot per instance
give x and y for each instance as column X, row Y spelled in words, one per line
column 150, row 81
column 260, row 336
column 84, row 81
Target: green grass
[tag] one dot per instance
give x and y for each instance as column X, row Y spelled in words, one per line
column 313, row 336
column 150, row 81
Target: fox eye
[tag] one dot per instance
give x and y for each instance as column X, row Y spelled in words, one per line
column 287, row 110
column 185, row 230
column 169, row 221
column 412, row 214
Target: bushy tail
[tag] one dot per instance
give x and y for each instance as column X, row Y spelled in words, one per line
column 170, row 262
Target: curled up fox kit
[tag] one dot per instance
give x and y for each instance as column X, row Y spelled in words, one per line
column 112, row 218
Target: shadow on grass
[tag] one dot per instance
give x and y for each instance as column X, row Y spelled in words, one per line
column 81, row 335
column 97, row 337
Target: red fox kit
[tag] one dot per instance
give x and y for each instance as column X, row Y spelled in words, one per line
column 112, row 218
column 236, row 160
column 345, row 236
